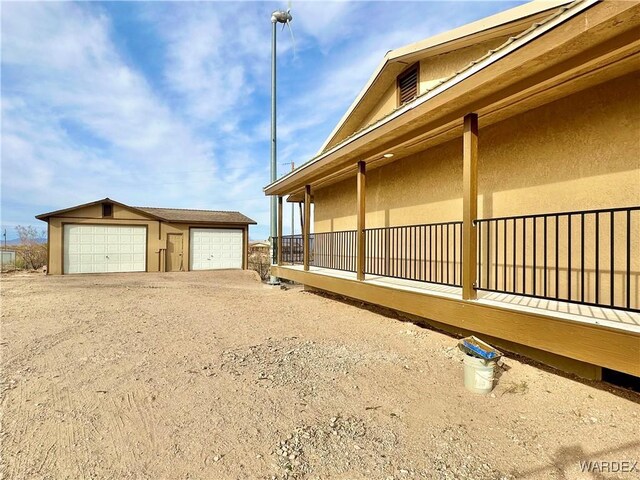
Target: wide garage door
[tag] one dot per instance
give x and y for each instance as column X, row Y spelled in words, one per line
column 101, row 248
column 215, row 248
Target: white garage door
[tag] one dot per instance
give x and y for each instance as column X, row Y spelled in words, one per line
column 98, row 249
column 215, row 248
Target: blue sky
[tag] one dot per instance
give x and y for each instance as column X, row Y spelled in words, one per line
column 167, row 103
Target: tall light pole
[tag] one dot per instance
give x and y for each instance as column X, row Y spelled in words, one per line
column 284, row 17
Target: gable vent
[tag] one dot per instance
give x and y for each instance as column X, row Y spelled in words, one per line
column 408, row 85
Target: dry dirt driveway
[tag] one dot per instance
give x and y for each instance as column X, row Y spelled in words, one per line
column 215, row 376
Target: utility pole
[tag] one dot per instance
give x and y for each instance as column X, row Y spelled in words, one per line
column 283, row 17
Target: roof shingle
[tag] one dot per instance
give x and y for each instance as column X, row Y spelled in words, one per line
column 201, row 216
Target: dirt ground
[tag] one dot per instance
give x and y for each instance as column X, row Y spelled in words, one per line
column 215, row 375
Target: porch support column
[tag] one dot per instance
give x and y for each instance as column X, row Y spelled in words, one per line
column 279, row 243
column 361, row 224
column 307, row 226
column 469, row 206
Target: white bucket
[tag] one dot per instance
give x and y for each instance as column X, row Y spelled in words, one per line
column 478, row 374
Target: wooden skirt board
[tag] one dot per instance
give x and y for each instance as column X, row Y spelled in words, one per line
column 215, row 248
column 598, row 345
column 104, row 248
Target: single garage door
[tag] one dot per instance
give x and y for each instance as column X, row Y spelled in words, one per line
column 98, row 249
column 215, row 248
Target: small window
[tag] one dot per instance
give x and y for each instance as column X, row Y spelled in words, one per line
column 408, row 85
column 107, row 210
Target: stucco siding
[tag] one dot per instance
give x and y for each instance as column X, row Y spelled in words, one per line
column 579, row 153
column 434, row 69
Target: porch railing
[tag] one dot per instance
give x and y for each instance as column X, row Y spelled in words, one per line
column 590, row 257
column 292, row 249
column 426, row 253
column 335, row 250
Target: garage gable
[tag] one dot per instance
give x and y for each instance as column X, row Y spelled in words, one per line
column 99, row 209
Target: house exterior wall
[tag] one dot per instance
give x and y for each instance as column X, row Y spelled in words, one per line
column 577, row 153
column 439, row 67
column 156, row 234
column 581, row 152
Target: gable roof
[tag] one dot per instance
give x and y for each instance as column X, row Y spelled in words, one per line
column 322, row 160
column 58, row 213
column 175, row 215
column 508, row 22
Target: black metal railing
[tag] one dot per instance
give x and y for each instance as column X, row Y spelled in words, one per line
column 590, row 257
column 335, row 250
column 292, row 249
column 427, row 253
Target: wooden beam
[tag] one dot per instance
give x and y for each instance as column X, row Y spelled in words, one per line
column 307, row 225
column 279, row 242
column 469, row 205
column 361, row 224
column 590, row 343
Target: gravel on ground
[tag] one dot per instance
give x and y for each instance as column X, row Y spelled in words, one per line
column 215, row 375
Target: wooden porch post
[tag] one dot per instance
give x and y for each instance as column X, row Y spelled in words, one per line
column 361, row 225
column 307, row 226
column 279, row 243
column 469, row 205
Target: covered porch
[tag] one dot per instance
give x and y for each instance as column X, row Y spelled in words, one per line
column 561, row 287
column 544, row 258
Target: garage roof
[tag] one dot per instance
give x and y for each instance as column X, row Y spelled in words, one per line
column 184, row 215
column 176, row 215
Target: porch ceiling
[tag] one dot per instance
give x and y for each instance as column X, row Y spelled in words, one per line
column 586, row 50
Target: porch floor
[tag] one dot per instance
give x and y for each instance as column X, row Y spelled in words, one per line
column 606, row 317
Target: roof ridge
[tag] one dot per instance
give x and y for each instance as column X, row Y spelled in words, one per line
column 187, row 209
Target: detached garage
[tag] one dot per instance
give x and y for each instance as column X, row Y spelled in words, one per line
column 108, row 236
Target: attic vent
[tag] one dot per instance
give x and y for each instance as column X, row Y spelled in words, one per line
column 107, row 210
column 408, row 85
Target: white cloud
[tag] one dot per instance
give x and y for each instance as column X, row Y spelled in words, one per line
column 82, row 120
column 215, row 56
column 82, row 124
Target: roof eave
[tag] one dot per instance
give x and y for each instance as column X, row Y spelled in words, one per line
column 300, row 174
column 208, row 222
column 452, row 38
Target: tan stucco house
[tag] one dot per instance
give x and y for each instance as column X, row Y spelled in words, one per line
column 487, row 180
column 108, row 236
